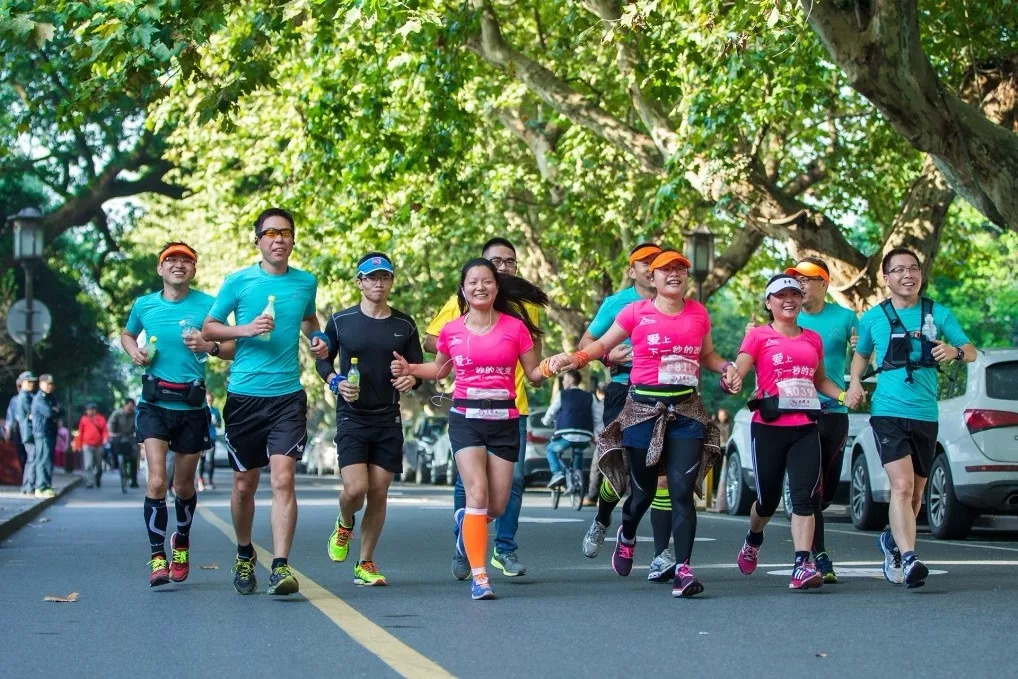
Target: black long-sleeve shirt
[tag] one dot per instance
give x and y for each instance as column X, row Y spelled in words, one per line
column 372, row 340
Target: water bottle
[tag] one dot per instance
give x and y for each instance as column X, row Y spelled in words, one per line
column 270, row 311
column 354, row 374
column 186, row 330
column 152, row 349
column 929, row 328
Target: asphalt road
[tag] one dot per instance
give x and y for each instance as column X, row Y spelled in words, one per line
column 569, row 616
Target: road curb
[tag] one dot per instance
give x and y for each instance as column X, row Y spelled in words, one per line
column 10, row 526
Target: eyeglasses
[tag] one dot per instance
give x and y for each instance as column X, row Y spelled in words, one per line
column 507, row 263
column 272, row 233
column 806, row 279
column 178, row 260
column 900, row 270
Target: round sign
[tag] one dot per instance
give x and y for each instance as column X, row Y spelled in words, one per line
column 17, row 321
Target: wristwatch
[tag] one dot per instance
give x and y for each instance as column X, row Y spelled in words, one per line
column 214, row 351
column 961, row 354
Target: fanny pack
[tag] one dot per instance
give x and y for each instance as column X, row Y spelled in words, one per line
column 769, row 410
column 652, row 395
column 155, row 389
column 483, row 403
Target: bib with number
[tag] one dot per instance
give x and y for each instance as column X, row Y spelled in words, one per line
column 475, row 393
column 679, row 370
column 797, row 394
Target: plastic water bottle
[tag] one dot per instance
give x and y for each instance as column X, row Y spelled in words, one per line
column 186, row 330
column 270, row 311
column 152, row 349
column 354, row 374
column 929, row 329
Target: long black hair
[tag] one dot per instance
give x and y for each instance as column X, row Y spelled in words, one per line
column 513, row 293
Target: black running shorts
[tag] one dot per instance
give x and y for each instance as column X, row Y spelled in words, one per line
column 370, row 441
column 260, row 426
column 500, row 437
column 614, row 400
column 187, row 431
column 900, row 437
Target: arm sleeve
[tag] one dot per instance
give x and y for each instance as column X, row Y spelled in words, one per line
column 134, row 326
column 955, row 336
column 865, row 344
column 413, row 352
column 226, row 302
column 324, row 366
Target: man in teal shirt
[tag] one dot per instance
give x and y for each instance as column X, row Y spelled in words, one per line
column 904, row 413
column 266, row 407
column 837, row 327
column 165, row 421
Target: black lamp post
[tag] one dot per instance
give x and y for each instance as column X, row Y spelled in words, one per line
column 700, row 252
column 28, row 245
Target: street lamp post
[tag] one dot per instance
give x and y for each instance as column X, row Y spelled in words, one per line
column 700, row 252
column 28, row 245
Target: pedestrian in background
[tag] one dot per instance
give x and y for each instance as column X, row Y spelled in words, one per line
column 45, row 411
column 23, row 417
column 93, row 435
column 123, row 441
column 63, row 451
column 12, row 432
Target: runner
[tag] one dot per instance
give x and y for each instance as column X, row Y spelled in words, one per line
column 172, row 412
column 903, row 331
column 486, row 344
column 671, row 338
column 789, row 373
column 836, row 326
column 662, row 568
column 266, row 407
column 502, row 254
column 369, row 431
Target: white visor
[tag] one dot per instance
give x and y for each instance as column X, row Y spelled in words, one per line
column 783, row 283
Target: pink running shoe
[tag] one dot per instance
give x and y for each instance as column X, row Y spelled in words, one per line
column 805, row 576
column 747, row 558
column 686, row 584
column 622, row 558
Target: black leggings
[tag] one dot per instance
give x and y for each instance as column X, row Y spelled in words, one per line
column 779, row 449
column 833, row 430
column 681, row 459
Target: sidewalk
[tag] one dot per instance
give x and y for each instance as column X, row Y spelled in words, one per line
column 16, row 509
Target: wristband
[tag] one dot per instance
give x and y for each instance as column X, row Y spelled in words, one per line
column 841, row 399
column 545, row 369
column 322, row 336
column 334, row 383
column 582, row 358
column 724, row 367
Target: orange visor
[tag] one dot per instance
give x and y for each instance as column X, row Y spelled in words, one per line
column 667, row 258
column 180, row 250
column 643, row 253
column 809, row 270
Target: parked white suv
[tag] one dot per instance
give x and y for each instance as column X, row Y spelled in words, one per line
column 975, row 470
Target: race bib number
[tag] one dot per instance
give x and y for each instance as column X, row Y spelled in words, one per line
column 798, row 394
column 675, row 369
column 474, row 393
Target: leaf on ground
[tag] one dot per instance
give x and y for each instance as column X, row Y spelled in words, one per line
column 821, row 655
column 45, row 520
column 210, row 566
column 69, row 599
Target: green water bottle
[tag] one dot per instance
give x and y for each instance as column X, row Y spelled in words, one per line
column 354, row 374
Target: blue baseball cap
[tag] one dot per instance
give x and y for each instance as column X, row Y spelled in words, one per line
column 373, row 264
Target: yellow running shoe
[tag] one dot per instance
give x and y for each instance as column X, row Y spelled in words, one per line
column 282, row 581
column 339, row 541
column 365, row 573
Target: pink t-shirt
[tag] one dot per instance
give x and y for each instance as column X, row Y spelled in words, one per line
column 666, row 349
column 485, row 364
column 785, row 367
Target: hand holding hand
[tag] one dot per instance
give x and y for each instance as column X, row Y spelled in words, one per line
column 855, row 396
column 561, row 362
column 731, row 380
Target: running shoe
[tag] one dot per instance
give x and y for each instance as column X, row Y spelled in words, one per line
column 916, row 573
column 460, row 567
column 160, row 574
column 805, row 576
column 244, row 580
column 622, row 558
column 282, row 581
column 508, row 563
column 686, row 584
column 460, row 545
column 892, row 559
column 339, row 541
column 480, row 588
column 826, row 568
column 556, row 478
column 180, row 564
column 747, row 558
column 662, row 568
column 45, row 493
column 593, row 541
column 365, row 573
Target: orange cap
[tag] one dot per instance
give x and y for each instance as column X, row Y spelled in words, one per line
column 808, row 269
column 643, row 253
column 178, row 250
column 667, row 257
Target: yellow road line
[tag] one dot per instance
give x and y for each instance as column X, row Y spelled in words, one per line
column 401, row 658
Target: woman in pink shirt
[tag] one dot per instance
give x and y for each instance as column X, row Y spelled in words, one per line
column 789, row 364
column 483, row 347
column 663, row 422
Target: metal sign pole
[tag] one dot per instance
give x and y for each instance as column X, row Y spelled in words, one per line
column 29, row 314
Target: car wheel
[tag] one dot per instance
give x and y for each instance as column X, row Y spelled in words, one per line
column 786, row 497
column 737, row 493
column 949, row 519
column 867, row 514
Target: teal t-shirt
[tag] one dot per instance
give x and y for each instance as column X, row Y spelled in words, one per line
column 834, row 325
column 159, row 317
column 894, row 397
column 266, row 368
column 605, row 316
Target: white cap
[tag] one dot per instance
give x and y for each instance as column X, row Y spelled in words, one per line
column 783, row 283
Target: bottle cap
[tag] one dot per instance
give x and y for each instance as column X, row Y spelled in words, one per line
column 272, row 298
column 354, row 360
column 153, row 339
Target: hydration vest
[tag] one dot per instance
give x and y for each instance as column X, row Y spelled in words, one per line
column 899, row 346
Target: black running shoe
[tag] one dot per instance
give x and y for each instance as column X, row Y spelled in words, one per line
column 916, row 573
column 244, row 580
